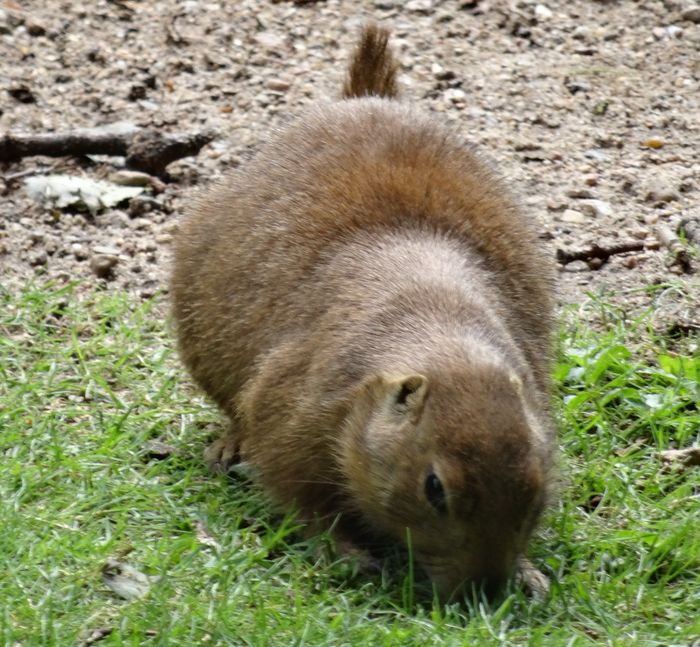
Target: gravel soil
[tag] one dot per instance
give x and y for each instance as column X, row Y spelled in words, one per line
column 590, row 109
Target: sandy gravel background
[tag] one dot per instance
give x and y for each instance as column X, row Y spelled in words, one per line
column 591, row 109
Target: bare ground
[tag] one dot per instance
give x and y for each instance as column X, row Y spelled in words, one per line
column 573, row 101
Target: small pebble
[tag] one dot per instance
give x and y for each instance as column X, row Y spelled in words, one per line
column 38, row 257
column 692, row 14
column 457, row 96
column 148, row 289
column 597, row 208
column 94, row 55
column 441, row 74
column 35, row 29
column 158, row 450
column 278, row 85
column 79, row 251
column 579, row 194
column 130, row 178
column 556, row 205
column 628, row 186
column 129, row 247
column 595, row 154
column 142, row 224
column 138, row 206
column 575, row 87
column 270, row 40
column 639, row 233
column 103, row 250
column 115, row 218
column 137, row 92
column 653, row 142
column 526, row 145
column 542, row 12
column 424, row 7
column 51, row 245
column 576, row 266
column 5, row 26
column 103, row 266
column 37, row 236
column 22, row 93
column 573, row 217
column 581, row 32
column 149, row 105
column 661, row 190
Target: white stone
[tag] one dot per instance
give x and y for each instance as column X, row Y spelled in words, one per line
column 597, row 208
column 572, row 217
column 542, row 12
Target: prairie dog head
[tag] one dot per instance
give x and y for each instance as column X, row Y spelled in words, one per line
column 453, row 458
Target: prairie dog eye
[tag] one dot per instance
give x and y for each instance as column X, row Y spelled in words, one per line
column 435, row 493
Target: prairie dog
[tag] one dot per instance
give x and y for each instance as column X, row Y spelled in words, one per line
column 370, row 308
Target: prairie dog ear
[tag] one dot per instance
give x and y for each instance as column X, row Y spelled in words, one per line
column 407, row 393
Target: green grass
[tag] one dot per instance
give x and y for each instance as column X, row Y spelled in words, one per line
column 87, row 381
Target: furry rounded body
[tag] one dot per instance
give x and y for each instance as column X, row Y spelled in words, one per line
column 368, row 305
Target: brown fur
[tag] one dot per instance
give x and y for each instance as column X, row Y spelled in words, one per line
column 372, row 70
column 365, row 257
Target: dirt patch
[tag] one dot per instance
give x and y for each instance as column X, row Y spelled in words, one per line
column 591, row 110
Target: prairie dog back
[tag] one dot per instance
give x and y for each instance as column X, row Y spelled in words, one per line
column 373, row 313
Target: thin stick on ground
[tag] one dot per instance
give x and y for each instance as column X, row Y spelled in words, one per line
column 679, row 254
column 564, row 257
column 145, row 150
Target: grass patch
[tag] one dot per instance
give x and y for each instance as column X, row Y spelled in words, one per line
column 87, row 382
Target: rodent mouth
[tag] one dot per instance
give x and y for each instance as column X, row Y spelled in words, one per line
column 452, row 579
column 450, row 588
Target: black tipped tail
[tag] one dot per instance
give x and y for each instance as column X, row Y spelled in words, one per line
column 372, row 69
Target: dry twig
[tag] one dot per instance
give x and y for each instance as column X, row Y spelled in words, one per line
column 679, row 254
column 145, row 150
column 598, row 252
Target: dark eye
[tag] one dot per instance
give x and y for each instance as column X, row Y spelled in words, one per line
column 435, row 493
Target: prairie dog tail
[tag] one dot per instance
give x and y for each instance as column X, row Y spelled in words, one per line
column 372, row 70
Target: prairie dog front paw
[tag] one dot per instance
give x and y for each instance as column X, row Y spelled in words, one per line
column 535, row 583
column 223, row 453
